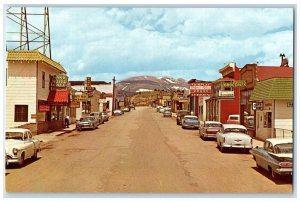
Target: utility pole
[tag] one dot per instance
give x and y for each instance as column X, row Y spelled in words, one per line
column 114, row 99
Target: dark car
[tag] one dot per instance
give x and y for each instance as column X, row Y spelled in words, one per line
column 180, row 115
column 89, row 122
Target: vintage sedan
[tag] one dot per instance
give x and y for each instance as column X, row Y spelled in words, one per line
column 233, row 136
column 180, row 114
column 190, row 121
column 99, row 116
column 105, row 116
column 209, row 129
column 276, row 156
column 89, row 122
column 20, row 146
column 117, row 112
column 167, row 113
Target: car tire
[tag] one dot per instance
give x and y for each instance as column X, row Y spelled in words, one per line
column 273, row 174
column 34, row 157
column 21, row 163
column 222, row 149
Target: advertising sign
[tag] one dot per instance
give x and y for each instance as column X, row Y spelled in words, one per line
column 75, row 104
column 88, row 83
column 61, row 81
column 200, row 89
column 80, row 98
column 237, row 83
column 44, row 108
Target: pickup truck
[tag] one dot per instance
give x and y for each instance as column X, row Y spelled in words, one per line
column 20, row 146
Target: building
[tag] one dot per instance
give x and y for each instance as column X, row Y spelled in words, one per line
column 273, row 104
column 180, row 101
column 36, row 92
column 252, row 73
column 225, row 98
column 99, row 96
column 200, row 91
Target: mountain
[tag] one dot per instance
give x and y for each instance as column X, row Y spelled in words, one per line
column 149, row 83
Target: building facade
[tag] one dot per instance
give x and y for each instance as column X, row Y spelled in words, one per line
column 43, row 100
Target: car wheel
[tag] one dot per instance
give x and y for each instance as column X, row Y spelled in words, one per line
column 22, row 160
column 273, row 174
column 34, row 157
column 222, row 149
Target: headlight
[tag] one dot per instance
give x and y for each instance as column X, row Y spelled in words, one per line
column 15, row 151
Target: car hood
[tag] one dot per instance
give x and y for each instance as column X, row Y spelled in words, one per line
column 9, row 144
column 84, row 122
column 191, row 121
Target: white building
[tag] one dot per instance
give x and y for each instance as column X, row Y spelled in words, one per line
column 30, row 102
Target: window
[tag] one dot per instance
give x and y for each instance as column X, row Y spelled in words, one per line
column 43, row 79
column 21, row 113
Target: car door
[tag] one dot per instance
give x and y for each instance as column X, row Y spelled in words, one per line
column 28, row 145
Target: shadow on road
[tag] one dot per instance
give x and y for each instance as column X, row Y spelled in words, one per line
column 279, row 180
column 26, row 163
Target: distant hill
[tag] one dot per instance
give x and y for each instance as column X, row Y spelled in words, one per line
column 149, row 83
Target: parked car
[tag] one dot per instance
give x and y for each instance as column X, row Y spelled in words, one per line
column 158, row 108
column 233, row 136
column 190, row 121
column 105, row 116
column 167, row 113
column 162, row 109
column 89, row 122
column 126, row 109
column 209, row 129
column 233, row 119
column 99, row 116
column 249, row 121
column 20, row 146
column 276, row 156
column 117, row 112
column 180, row 114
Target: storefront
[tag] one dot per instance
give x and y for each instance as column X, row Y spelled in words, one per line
column 273, row 105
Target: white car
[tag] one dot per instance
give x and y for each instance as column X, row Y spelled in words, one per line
column 233, row 136
column 20, row 145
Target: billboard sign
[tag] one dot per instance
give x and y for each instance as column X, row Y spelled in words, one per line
column 200, row 88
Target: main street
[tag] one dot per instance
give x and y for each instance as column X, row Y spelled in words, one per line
column 140, row 152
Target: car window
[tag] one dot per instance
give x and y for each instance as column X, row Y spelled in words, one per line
column 234, row 118
column 212, row 125
column 25, row 136
column 235, row 130
column 14, row 135
column 283, row 148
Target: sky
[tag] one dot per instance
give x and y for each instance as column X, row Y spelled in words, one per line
column 187, row 43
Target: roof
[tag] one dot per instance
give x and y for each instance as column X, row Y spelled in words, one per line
column 32, row 55
column 273, row 89
column 59, row 96
column 215, row 122
column 190, row 116
column 276, row 141
column 225, row 126
column 81, row 83
column 16, row 130
column 267, row 72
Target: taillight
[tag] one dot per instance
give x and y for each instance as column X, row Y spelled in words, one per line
column 286, row 164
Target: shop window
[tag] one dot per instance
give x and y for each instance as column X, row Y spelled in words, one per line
column 21, row 113
column 268, row 120
column 43, row 79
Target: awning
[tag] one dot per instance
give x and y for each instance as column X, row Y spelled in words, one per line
column 58, row 97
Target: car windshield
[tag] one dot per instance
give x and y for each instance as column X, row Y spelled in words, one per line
column 283, row 148
column 191, row 118
column 14, row 135
column 235, row 130
column 213, row 125
column 86, row 119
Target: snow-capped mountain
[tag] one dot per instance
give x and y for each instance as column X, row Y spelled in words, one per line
column 150, row 83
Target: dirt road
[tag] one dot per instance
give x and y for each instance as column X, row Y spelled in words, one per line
column 140, row 152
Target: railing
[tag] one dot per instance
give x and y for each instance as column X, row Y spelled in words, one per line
column 283, row 133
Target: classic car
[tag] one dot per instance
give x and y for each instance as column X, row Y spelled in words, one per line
column 167, row 113
column 126, row 109
column 233, row 136
column 105, row 116
column 276, row 156
column 249, row 121
column 99, row 116
column 233, row 119
column 180, row 114
column 117, row 112
column 20, row 145
column 209, row 129
column 89, row 122
column 190, row 121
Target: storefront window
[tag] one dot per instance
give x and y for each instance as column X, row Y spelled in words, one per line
column 268, row 120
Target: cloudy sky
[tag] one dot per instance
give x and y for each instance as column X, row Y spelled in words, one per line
column 177, row 42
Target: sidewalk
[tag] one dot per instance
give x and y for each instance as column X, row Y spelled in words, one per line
column 47, row 137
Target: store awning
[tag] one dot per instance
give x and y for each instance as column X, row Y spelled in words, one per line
column 58, row 97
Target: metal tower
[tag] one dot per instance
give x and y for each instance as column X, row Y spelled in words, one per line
column 28, row 29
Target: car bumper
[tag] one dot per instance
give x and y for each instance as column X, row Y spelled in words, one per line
column 84, row 127
column 237, row 146
column 13, row 160
column 210, row 135
column 190, row 126
column 284, row 171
